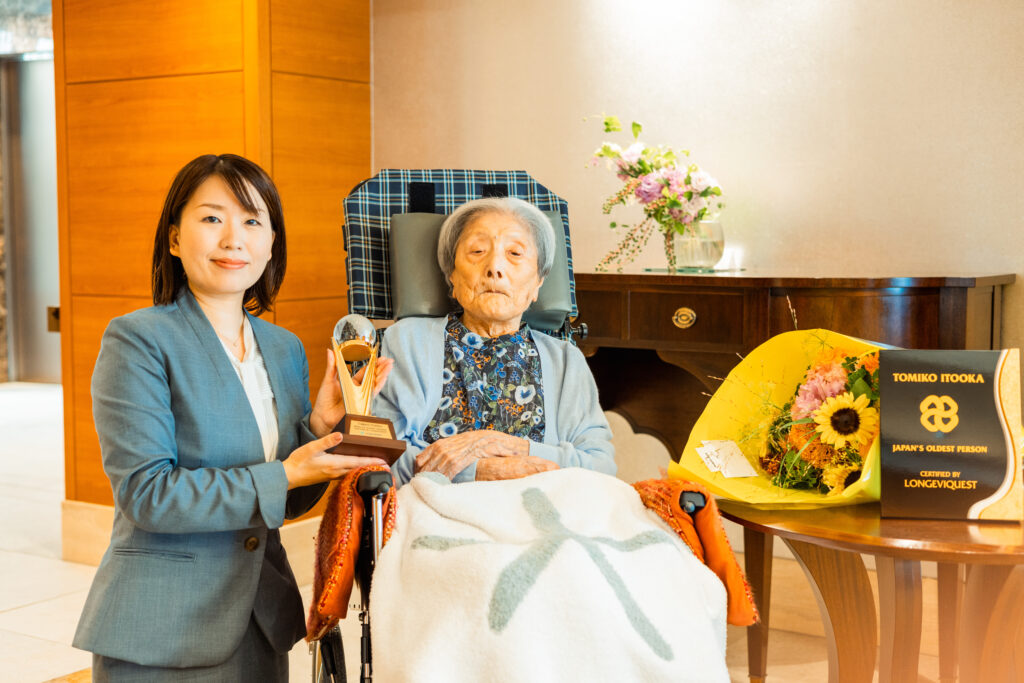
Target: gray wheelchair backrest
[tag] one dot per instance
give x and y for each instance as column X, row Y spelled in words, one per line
column 419, row 288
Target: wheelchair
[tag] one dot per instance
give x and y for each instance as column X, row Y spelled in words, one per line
column 392, row 222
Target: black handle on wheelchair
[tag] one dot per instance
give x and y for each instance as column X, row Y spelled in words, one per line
column 578, row 332
column 373, row 483
column 692, row 502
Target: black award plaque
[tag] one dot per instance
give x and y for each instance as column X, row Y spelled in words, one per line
column 951, row 434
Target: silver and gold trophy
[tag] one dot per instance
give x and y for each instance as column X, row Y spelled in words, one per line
column 355, row 341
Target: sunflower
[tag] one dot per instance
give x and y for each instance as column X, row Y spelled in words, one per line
column 836, row 477
column 843, row 420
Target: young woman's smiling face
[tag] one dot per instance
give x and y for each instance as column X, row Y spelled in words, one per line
column 495, row 277
column 223, row 247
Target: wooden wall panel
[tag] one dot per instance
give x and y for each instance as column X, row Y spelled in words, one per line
column 125, row 142
column 321, row 38
column 91, row 315
column 144, row 87
column 312, row 321
column 321, row 148
column 116, row 39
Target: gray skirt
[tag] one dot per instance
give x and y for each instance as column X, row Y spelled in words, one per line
column 253, row 660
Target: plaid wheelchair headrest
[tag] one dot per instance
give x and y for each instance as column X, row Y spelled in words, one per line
column 370, row 205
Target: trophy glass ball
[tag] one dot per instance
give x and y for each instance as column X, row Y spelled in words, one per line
column 356, row 336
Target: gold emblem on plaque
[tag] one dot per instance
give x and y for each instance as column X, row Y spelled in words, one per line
column 939, row 414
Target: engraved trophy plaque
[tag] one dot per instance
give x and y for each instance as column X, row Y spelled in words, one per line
column 355, row 341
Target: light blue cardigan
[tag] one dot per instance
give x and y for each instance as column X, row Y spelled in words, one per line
column 576, row 432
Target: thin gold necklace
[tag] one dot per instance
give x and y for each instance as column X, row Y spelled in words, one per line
column 238, row 339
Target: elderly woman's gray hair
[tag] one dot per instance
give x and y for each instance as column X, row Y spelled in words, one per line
column 528, row 215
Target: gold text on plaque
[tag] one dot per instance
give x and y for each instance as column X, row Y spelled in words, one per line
column 380, row 430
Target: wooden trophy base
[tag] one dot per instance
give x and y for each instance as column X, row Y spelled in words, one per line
column 368, row 436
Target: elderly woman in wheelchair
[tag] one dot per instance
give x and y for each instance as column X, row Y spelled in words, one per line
column 479, row 395
column 570, row 574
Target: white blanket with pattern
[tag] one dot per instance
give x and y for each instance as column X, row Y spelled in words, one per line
column 560, row 576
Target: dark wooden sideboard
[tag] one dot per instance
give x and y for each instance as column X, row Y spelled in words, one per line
column 658, row 345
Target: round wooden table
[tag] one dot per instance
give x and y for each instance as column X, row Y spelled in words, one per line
column 980, row 586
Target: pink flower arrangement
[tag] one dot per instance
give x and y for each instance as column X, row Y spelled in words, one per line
column 815, row 390
column 674, row 195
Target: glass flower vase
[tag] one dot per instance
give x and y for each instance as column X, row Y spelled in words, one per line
column 695, row 251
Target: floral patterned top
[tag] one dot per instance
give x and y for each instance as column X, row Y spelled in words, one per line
column 489, row 384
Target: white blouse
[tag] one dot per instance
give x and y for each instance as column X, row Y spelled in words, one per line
column 252, row 372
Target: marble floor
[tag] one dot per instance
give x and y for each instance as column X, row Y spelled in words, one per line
column 41, row 596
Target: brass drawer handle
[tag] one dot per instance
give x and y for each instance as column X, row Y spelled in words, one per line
column 684, row 317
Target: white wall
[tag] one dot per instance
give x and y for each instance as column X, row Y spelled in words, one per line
column 851, row 137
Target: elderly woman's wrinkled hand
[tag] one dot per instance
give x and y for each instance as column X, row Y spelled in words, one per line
column 329, row 407
column 451, row 455
column 495, row 469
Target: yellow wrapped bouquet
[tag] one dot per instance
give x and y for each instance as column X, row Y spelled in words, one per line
column 802, row 408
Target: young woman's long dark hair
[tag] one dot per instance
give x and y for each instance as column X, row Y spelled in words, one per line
column 242, row 176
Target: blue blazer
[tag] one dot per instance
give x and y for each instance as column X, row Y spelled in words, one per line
column 195, row 548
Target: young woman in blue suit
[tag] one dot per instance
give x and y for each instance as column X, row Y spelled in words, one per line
column 210, row 442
